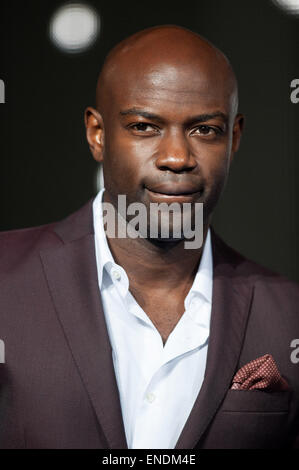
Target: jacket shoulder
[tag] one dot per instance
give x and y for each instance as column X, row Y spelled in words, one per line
column 16, row 246
column 264, row 279
column 20, row 246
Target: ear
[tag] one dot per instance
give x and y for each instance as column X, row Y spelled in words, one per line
column 95, row 133
column 237, row 133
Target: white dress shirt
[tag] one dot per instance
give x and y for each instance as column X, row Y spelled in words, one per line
column 157, row 384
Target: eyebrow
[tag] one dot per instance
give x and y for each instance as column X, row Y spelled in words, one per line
column 208, row 117
column 193, row 119
column 140, row 112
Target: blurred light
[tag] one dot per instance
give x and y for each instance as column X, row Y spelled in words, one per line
column 290, row 6
column 74, row 27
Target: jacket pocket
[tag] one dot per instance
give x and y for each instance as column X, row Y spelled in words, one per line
column 256, row 401
column 250, row 419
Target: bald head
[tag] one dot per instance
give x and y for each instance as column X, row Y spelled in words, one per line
column 164, row 53
column 166, row 115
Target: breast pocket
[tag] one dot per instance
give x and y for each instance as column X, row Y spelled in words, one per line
column 250, row 419
column 256, row 401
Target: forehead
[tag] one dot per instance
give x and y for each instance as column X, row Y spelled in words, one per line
column 172, row 88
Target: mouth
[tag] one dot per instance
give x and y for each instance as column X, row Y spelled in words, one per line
column 174, row 193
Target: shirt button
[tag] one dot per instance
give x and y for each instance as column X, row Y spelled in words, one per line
column 150, row 397
column 116, row 275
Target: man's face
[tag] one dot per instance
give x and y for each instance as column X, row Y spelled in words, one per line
column 169, row 137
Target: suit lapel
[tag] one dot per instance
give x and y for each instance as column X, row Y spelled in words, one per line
column 71, row 274
column 232, row 295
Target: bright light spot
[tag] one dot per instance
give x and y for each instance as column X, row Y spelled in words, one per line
column 74, row 27
column 290, row 6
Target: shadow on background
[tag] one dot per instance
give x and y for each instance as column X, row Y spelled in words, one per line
column 46, row 169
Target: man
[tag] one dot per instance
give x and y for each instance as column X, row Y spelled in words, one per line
column 138, row 342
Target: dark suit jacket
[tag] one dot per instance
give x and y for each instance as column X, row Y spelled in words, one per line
column 57, row 385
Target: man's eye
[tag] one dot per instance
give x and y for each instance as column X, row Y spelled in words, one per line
column 142, row 127
column 206, row 130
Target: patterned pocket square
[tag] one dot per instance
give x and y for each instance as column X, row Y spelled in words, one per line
column 260, row 374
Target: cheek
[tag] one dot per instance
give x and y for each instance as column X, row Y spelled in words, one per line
column 122, row 166
column 215, row 173
column 215, row 165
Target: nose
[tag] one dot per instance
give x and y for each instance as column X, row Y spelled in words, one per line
column 174, row 154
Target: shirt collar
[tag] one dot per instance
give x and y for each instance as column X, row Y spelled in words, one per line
column 203, row 281
column 104, row 255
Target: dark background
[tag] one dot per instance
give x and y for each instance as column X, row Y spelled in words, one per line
column 46, row 169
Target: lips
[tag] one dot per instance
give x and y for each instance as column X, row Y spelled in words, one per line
column 171, row 189
column 170, row 192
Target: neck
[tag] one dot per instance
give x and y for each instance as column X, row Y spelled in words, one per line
column 166, row 265
column 156, row 266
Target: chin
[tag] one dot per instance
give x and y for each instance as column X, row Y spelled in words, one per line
column 165, row 243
